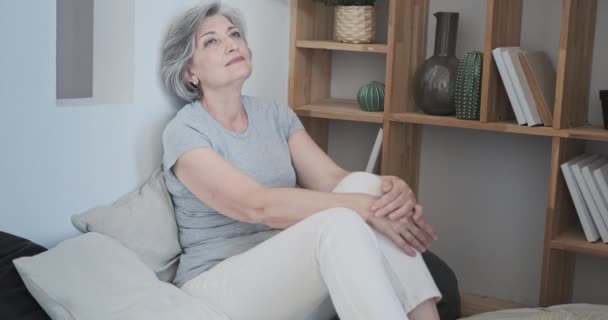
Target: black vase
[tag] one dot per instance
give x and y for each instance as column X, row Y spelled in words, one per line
column 435, row 80
column 604, row 99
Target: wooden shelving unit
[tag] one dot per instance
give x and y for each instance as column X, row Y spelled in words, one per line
column 309, row 87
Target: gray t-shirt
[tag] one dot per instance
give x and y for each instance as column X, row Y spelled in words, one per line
column 206, row 236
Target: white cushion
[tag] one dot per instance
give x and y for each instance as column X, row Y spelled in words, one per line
column 143, row 221
column 94, row 277
column 579, row 311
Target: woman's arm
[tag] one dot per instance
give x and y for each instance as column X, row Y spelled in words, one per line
column 408, row 227
column 314, row 168
column 228, row 190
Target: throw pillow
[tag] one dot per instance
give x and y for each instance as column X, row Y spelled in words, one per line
column 143, row 221
column 94, row 277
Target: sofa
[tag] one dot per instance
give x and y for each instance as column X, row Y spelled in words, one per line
column 122, row 266
column 15, row 301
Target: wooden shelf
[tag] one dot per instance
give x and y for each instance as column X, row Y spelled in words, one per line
column 451, row 121
column 334, row 45
column 339, row 109
column 588, row 133
column 581, row 133
column 574, row 240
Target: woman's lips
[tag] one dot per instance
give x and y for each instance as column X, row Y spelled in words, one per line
column 235, row 60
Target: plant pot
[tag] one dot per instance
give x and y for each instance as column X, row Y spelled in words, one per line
column 355, row 24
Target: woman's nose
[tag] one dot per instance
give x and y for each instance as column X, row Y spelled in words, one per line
column 230, row 45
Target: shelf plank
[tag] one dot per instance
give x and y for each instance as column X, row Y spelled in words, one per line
column 451, row 121
column 574, row 63
column 588, row 133
column 503, row 29
column 339, row 109
column 574, row 240
column 334, row 45
column 557, row 277
column 581, row 133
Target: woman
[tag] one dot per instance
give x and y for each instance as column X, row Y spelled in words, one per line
column 231, row 163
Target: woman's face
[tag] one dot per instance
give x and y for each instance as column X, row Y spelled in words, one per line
column 221, row 56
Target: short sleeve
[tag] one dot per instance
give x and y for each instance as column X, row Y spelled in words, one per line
column 178, row 138
column 289, row 121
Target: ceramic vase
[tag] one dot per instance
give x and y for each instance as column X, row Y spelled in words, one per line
column 435, row 80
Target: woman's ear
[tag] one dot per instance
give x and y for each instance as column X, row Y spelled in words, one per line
column 192, row 78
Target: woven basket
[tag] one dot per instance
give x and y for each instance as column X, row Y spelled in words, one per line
column 355, row 24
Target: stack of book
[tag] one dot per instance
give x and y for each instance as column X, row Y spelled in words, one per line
column 529, row 79
column 587, row 180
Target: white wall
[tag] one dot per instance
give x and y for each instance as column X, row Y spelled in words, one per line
column 485, row 192
column 113, row 61
column 59, row 161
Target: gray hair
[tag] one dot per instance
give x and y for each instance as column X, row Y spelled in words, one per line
column 180, row 42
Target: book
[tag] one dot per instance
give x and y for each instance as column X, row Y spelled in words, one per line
column 373, row 163
column 520, row 84
column 506, row 80
column 541, row 78
column 591, row 233
column 590, row 193
column 601, row 177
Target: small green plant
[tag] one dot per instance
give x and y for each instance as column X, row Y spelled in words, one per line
column 333, row 3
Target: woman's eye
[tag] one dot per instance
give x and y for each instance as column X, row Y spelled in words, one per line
column 210, row 42
column 235, row 34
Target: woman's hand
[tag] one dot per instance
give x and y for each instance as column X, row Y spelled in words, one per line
column 362, row 204
column 408, row 233
column 398, row 199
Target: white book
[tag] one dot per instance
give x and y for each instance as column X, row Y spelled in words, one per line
column 521, row 86
column 584, row 216
column 373, row 163
column 594, row 198
column 506, row 80
column 601, row 177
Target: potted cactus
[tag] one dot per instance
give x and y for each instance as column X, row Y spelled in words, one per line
column 354, row 20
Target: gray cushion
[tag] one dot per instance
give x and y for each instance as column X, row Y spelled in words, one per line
column 143, row 221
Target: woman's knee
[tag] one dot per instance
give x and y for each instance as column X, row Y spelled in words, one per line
column 343, row 221
column 360, row 182
column 341, row 216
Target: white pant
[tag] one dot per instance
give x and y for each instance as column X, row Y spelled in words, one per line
column 333, row 253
